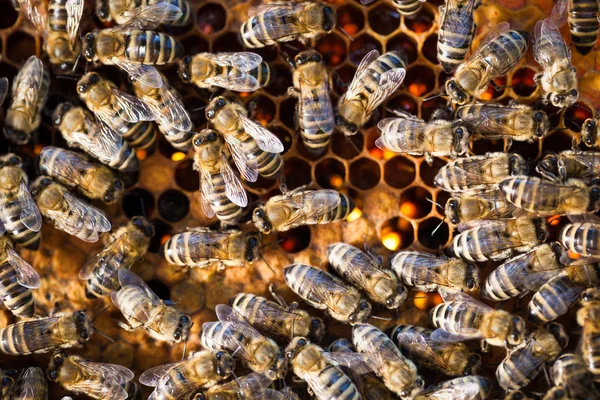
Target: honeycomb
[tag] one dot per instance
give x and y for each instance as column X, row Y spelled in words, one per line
column 394, row 193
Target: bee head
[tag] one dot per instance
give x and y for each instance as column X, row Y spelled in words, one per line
column 457, row 95
column 183, row 329
column 215, row 105
column 559, row 333
column 60, row 111
column 473, row 364
column 588, row 132
column 7, row 383
column 347, row 128
column 461, row 138
column 594, row 198
column 517, row 331
column 590, row 295
column 89, row 47
column 184, row 69
column 279, row 368
column 316, row 330
column 114, row 192
column 83, row 325
column 471, row 277
column 39, row 184
column 517, row 165
column 307, row 56
column 56, row 363
column 261, row 220
column 414, row 389
column 548, row 167
column 15, row 135
column 361, row 314
column 204, row 136
column 542, row 123
column 224, row 363
column 253, row 247
column 564, row 99
column 102, row 11
column 452, row 211
column 11, row 160
column 143, row 225
column 87, row 81
column 294, row 346
column 397, row 298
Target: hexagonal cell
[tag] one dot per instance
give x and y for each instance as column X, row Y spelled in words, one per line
column 351, row 19
column 194, row 45
column 342, row 78
column 295, row 240
column 173, row 205
column 529, row 151
column 302, row 150
column 284, row 136
column 281, row 80
column 211, row 18
column 420, row 79
column 422, row 22
column 430, row 48
column 185, row 176
column 441, row 198
column 361, row 46
column 167, row 150
column 287, row 111
column 365, row 173
column 262, row 109
column 261, row 183
column 19, row 47
column 347, row 147
column 399, row 172
column 556, row 142
column 396, row 234
column 330, row 174
column 575, row 115
column 401, row 102
column 138, row 202
column 195, row 107
column 495, row 92
column 229, row 41
column 9, row 16
column 432, row 240
column 522, row 82
column 333, row 49
column 415, row 202
column 437, row 107
column 384, row 18
column 487, row 146
column 406, row 44
column 296, row 172
column 161, row 290
column 269, row 53
column 162, row 233
column 8, row 71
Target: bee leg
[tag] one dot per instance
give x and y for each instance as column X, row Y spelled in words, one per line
column 291, row 91
column 429, row 159
column 484, row 346
column 507, row 144
column 126, row 326
column 276, row 296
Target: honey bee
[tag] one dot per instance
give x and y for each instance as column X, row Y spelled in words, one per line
column 95, row 380
column 590, row 132
column 17, row 278
column 182, row 379
column 456, row 32
column 461, row 317
column 286, row 21
column 583, row 24
column 125, row 114
column 496, row 121
column 398, row 373
column 571, row 373
column 253, row 148
column 19, row 215
column 172, row 12
column 314, row 111
column 129, row 244
column 518, row 395
column 464, row 208
column 285, row 322
column 556, row 393
column 81, row 130
column 376, row 78
column 59, row 26
column 241, row 71
column 588, row 319
column 7, row 383
column 167, row 109
column 324, row 291
column 366, row 272
column 251, row 386
column 582, row 165
column 325, row 379
column 480, row 172
column 465, row 388
column 234, row 333
column 497, row 53
column 452, row 359
column 525, row 272
column 142, row 308
column 29, row 94
column 558, row 294
column 581, row 238
column 523, row 363
column 42, row 335
column 301, row 207
column 31, row 385
column 499, row 239
column 200, row 247
column 221, row 190
column 411, row 135
column 69, row 214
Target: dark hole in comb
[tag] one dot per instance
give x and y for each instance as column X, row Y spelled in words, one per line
column 438, row 239
column 173, row 205
column 138, row 202
column 294, row 240
column 399, row 172
column 161, row 290
column 365, row 173
column 185, row 176
column 330, row 174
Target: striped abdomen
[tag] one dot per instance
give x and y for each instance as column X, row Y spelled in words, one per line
column 521, row 366
column 581, row 238
column 188, row 248
column 57, row 16
column 216, row 334
column 385, row 62
column 456, row 317
column 227, row 211
column 583, row 24
column 26, row 337
column 181, row 140
column 262, row 73
column 273, row 26
column 249, row 305
column 151, row 48
column 335, row 384
column 408, row 7
column 133, row 304
column 140, row 135
column 104, row 279
column 183, row 5
column 483, row 243
column 19, row 233
column 590, row 351
column 126, row 159
column 315, row 116
column 337, row 214
column 453, row 46
column 269, row 164
column 17, row 298
column 571, row 372
column 302, row 278
column 133, row 391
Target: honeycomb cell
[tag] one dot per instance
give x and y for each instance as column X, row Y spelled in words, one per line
column 487, row 146
column 294, row 240
column 556, row 142
column 342, row 78
column 384, row 18
column 173, row 205
column 229, row 41
column 281, row 80
column 296, row 172
column 161, row 290
column 420, row 79
column 138, row 202
column 430, row 49
column 529, row 151
column 404, row 43
column 330, row 174
column 302, row 150
column 19, row 47
column 333, row 49
column 162, row 233
column 436, row 107
column 401, row 102
column 9, row 16
column 351, row 19
column 441, row 199
column 495, row 92
column 284, row 136
column 347, row 147
column 211, row 18
column 399, row 172
column 185, row 176
column 576, row 114
column 194, row 45
column 166, row 149
column 262, row 183
column 415, row 202
column 396, row 234
column 269, row 53
column 361, row 46
column 287, row 111
column 365, row 173
column 195, row 107
column 422, row 22
column 262, row 109
column 430, row 239
column 8, row 71
column 522, row 82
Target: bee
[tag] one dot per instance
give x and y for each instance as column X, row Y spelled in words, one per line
column 142, row 308
column 19, row 215
column 324, row 291
column 546, row 198
column 69, row 214
column 31, row 385
column 525, row 272
column 17, row 278
column 251, row 386
column 284, row 322
column 286, row 21
column 222, row 193
column 455, row 33
column 172, row 12
column 314, row 110
column 365, row 271
column 301, row 207
column 129, row 244
column 518, row 395
column 42, row 335
column 253, row 148
column 452, row 359
column 376, row 78
column 59, row 26
column 555, row 393
column 558, row 294
column 182, row 379
column 466, row 388
column 461, row 317
column 240, row 71
column 7, row 383
column 581, row 238
column 590, row 132
column 81, row 130
column 398, row 373
column 199, row 247
column 464, row 208
column 29, row 95
column 75, row 171
column 480, row 172
column 571, row 373
column 518, row 122
column 96, row 380
column 234, row 333
column 523, row 363
column 125, row 114
column 583, row 24
column 167, row 109
column 582, row 165
column 411, row 135
column 325, row 378
column 497, row 53
column 588, row 319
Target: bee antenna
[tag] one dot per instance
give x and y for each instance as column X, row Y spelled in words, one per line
column 265, row 261
column 271, row 243
column 235, row 352
column 434, row 202
column 236, row 379
column 100, row 313
column 185, row 343
column 72, row 78
column 76, row 62
column 344, row 32
column 380, row 318
column 200, row 108
column 104, row 335
column 437, row 227
column 352, row 143
column 434, row 96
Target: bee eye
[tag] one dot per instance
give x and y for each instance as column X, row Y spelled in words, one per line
column 351, row 319
column 471, row 284
column 187, row 60
column 302, row 342
column 94, row 79
column 317, row 58
column 210, row 114
column 539, row 116
column 353, row 128
column 14, row 160
column 58, row 359
column 299, row 60
column 198, row 142
column 403, row 394
column 45, row 182
column 219, row 355
column 459, row 131
column 221, row 103
column 177, row 336
column 212, row 137
column 52, row 375
column 6, row 381
column 149, row 231
column 452, row 85
column 389, row 302
column 289, row 354
column 185, row 319
column 574, row 93
column 82, row 88
column 419, row 382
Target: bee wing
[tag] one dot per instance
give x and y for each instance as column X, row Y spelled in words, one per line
column 265, row 140
column 528, row 359
column 559, row 12
column 30, row 214
column 89, row 216
column 111, row 377
column 380, row 352
column 457, row 22
column 279, row 11
column 2, row 227
column 131, row 108
column 283, row 7
column 152, row 376
column 128, row 278
column 147, row 74
column 244, row 61
column 422, row 345
column 103, row 258
column 251, row 386
column 170, row 111
column 440, row 335
column 464, row 391
column 231, row 338
column 359, row 363
column 477, row 56
column 488, row 121
column 206, row 189
column 396, row 129
column 36, row 13
column 107, row 142
column 39, row 342
column 233, row 187
column 4, row 85
column 151, row 16
column 27, row 84
column 248, row 167
column 27, row 390
column 26, row 275
column 74, row 12
column 228, row 314
column 243, row 83
column 547, row 55
column 432, row 263
column 356, row 85
column 315, row 203
column 72, row 168
column 109, row 372
column 269, row 317
column 389, row 82
column 311, row 99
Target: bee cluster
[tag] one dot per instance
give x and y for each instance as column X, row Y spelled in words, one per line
column 84, row 153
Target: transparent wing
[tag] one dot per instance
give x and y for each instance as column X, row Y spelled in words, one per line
column 546, row 55
column 251, row 386
column 472, row 171
column 519, row 269
column 28, row 83
column 430, row 262
column 40, row 342
column 527, row 358
column 107, row 141
column 30, row 214
column 389, row 82
column 243, row 60
column 271, row 28
column 248, row 167
column 464, row 391
column 320, row 116
column 26, row 275
column 153, row 375
column 110, row 378
column 128, row 278
column 441, row 335
column 109, row 372
column 380, row 352
column 103, row 259
column 87, row 216
column 206, row 189
column 282, row 7
column 488, row 121
column 4, row 86
column 151, row 16
column 244, row 83
column 131, row 108
column 66, row 165
column 170, row 111
column 424, row 346
column 314, row 203
column 356, row 85
column 27, row 388
column 458, row 20
column 559, row 13
column 492, row 34
column 233, row 187
column 322, row 287
column 231, row 337
column 265, row 140
column 197, row 241
column 228, row 314
column 74, row 12
column 146, row 74
column 273, row 319
column 359, row 363
column 36, row 13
